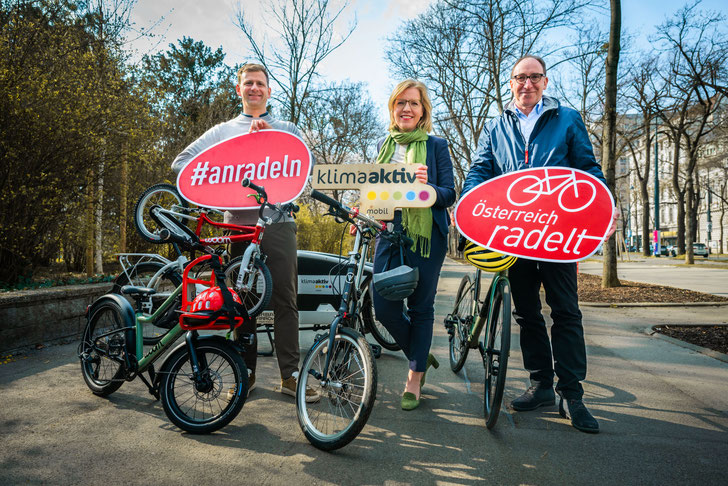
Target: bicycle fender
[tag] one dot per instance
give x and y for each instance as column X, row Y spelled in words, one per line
column 202, row 340
column 127, row 314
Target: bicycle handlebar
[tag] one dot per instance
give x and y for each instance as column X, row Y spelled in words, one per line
column 345, row 212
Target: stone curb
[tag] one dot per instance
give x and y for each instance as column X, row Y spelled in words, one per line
column 650, row 331
column 653, row 304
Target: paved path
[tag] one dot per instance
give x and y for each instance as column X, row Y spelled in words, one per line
column 662, row 408
column 701, row 278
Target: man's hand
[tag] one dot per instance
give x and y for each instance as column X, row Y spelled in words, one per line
column 258, row 125
column 616, row 216
column 421, row 174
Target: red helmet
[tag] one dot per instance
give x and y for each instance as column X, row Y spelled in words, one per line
column 210, row 300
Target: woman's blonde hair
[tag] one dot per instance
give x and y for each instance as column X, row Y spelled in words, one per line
column 425, row 122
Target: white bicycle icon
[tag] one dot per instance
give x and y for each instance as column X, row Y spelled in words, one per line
column 571, row 198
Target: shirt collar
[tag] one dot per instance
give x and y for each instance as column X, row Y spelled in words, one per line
column 251, row 116
column 536, row 109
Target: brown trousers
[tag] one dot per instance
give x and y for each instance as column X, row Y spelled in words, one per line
column 279, row 245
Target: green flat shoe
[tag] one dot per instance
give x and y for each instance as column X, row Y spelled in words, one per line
column 431, row 361
column 409, row 401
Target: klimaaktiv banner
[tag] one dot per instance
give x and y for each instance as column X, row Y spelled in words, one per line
column 554, row 214
column 277, row 160
column 382, row 187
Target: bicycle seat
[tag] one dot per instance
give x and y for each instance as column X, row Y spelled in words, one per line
column 135, row 291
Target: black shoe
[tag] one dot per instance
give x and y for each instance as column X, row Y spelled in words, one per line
column 581, row 419
column 533, row 398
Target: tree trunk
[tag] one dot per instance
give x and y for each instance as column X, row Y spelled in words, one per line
column 99, row 219
column 646, row 251
column 690, row 216
column 124, row 189
column 90, row 225
column 609, row 134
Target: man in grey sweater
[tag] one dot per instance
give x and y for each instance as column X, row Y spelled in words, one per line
column 279, row 242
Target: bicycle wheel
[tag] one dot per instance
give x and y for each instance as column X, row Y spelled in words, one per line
column 573, row 199
column 140, row 275
column 164, row 195
column 377, row 330
column 461, row 320
column 101, row 371
column 497, row 345
column 347, row 392
column 259, row 283
column 203, row 406
column 525, row 190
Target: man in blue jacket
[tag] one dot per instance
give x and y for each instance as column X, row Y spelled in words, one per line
column 536, row 131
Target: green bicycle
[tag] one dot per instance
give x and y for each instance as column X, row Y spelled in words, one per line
column 472, row 314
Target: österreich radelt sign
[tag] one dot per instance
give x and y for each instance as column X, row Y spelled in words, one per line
column 382, row 187
column 548, row 213
column 278, row 160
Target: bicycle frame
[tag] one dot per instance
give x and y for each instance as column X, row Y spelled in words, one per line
column 481, row 312
column 349, row 308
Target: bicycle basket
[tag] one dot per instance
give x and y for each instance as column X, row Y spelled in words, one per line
column 485, row 259
column 204, row 310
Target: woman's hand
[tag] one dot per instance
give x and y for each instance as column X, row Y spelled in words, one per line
column 421, row 174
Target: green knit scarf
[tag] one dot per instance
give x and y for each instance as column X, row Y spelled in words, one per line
column 417, row 222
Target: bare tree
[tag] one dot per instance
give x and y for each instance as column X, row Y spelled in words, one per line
column 697, row 46
column 464, row 52
column 340, row 124
column 642, row 95
column 299, row 36
column 609, row 134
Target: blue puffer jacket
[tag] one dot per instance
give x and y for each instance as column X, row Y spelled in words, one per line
column 558, row 139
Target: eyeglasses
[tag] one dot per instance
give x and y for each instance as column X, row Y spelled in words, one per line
column 535, row 78
column 403, row 103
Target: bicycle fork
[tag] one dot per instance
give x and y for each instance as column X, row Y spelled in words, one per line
column 200, row 375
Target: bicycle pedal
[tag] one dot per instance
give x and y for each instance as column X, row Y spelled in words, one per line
column 376, row 350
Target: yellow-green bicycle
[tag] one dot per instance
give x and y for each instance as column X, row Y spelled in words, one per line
column 472, row 313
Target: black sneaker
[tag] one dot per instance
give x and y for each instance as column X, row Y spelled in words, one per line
column 533, row 398
column 581, row 419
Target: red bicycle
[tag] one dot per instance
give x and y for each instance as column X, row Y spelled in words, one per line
column 161, row 215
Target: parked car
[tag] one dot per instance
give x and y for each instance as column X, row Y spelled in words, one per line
column 664, row 251
column 699, row 249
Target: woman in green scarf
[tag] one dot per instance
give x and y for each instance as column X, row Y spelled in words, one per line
column 408, row 142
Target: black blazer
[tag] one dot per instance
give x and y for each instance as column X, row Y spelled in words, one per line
column 440, row 177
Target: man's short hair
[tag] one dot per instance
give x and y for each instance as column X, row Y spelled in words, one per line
column 529, row 56
column 251, row 67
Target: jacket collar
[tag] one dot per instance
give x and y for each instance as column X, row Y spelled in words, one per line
column 549, row 103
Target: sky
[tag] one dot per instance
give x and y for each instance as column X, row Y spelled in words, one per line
column 361, row 57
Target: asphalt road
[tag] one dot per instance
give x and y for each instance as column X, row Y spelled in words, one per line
column 663, row 410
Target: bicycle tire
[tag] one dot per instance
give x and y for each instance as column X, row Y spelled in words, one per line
column 380, row 333
column 140, row 275
column 351, row 385
column 204, row 409
column 256, row 300
column 497, row 345
column 164, row 195
column 103, row 375
column 462, row 321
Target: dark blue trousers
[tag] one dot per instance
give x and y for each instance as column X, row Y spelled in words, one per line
column 412, row 329
column 568, row 359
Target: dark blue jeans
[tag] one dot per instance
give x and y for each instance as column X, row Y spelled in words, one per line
column 568, row 360
column 412, row 329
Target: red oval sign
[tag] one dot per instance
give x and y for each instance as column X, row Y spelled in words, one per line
column 554, row 214
column 278, row 160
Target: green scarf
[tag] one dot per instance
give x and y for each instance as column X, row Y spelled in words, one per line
column 417, row 222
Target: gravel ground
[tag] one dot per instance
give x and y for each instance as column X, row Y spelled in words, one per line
column 712, row 337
